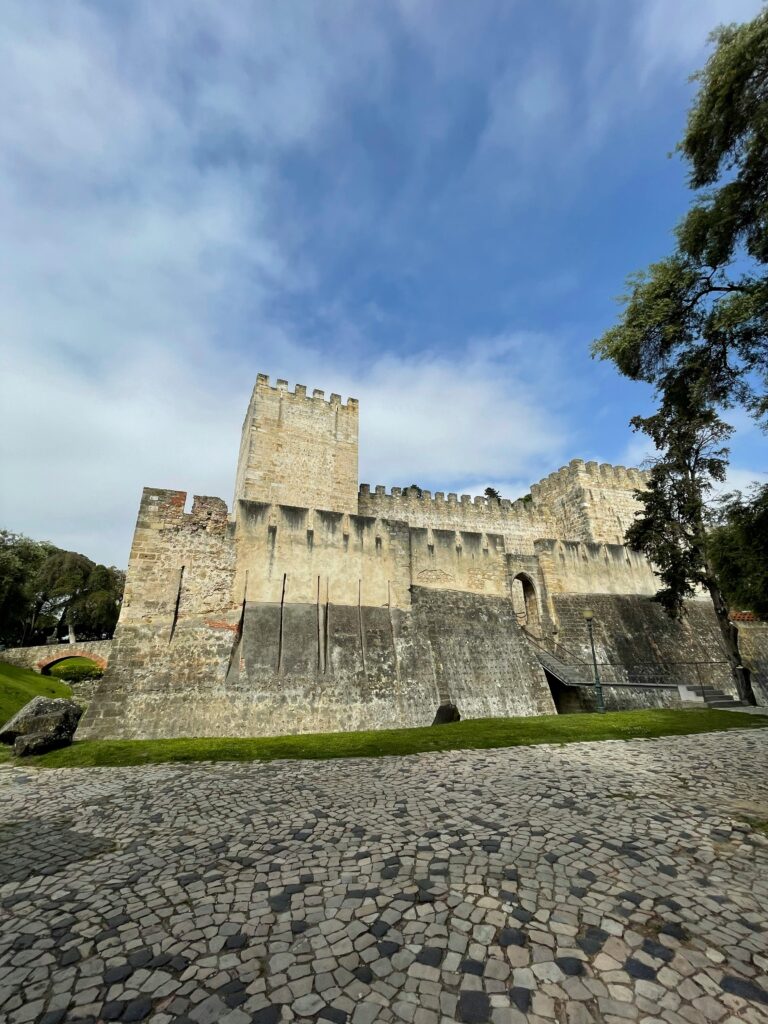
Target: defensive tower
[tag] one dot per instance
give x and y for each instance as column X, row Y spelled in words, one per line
column 298, row 449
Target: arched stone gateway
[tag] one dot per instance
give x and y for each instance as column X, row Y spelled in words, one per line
column 525, row 602
column 46, row 664
column 42, row 657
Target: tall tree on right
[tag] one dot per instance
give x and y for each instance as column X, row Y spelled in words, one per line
column 695, row 325
column 738, row 548
column 672, row 528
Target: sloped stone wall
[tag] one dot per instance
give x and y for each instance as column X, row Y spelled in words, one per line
column 340, row 669
column 636, row 642
column 753, row 642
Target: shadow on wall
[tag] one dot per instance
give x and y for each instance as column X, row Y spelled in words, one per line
column 525, row 603
column 566, row 698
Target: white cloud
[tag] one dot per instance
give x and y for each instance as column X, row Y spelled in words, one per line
column 741, row 478
column 444, row 423
column 672, row 36
column 86, row 452
column 149, row 267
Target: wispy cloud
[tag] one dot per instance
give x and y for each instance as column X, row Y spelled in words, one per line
column 190, row 193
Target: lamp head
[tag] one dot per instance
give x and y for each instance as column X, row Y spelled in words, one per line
column 588, row 614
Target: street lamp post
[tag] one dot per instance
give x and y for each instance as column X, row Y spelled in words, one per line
column 589, row 616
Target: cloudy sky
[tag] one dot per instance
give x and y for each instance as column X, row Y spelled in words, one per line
column 430, row 206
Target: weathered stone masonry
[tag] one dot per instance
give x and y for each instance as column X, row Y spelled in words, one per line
column 316, row 606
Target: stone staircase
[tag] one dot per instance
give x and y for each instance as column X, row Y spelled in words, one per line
column 711, row 697
column 576, row 674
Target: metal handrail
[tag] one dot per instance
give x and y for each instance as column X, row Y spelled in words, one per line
column 541, row 641
column 552, row 648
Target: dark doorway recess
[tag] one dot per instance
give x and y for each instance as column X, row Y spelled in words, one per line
column 566, row 698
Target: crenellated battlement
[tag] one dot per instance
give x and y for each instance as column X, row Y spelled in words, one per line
column 162, row 507
column 409, row 498
column 588, row 474
column 591, row 501
column 569, row 503
column 298, row 449
column 281, row 389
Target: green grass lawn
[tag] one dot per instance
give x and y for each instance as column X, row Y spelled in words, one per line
column 480, row 733
column 19, row 685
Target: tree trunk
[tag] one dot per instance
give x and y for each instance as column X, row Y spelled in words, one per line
column 730, row 634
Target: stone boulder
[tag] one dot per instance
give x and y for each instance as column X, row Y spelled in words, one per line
column 48, row 721
column 447, row 713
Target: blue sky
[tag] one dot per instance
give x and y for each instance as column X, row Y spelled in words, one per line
column 430, row 206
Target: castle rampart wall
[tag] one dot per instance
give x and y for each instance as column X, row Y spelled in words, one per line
column 583, row 567
column 517, row 521
column 636, row 642
column 753, row 643
column 590, row 501
column 292, row 620
column 581, row 501
column 315, row 607
column 298, row 449
column 174, row 636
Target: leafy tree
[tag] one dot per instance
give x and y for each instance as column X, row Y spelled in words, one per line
column 738, row 549
column 60, row 581
column 492, row 494
column 704, row 309
column 20, row 562
column 671, row 528
column 95, row 609
column 695, row 325
column 44, row 589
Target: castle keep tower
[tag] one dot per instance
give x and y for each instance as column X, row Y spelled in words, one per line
column 298, row 450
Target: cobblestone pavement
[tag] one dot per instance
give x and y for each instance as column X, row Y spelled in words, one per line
column 594, row 882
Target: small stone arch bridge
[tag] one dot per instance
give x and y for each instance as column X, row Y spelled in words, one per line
column 41, row 658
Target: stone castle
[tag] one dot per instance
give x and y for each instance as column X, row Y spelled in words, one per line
column 316, row 604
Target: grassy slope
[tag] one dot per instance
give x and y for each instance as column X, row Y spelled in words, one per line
column 20, row 685
column 472, row 734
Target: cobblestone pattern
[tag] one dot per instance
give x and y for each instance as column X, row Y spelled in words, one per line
column 610, row 882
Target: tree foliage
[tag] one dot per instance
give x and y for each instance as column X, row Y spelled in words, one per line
column 704, row 309
column 44, row 591
column 695, row 325
column 20, row 561
column 672, row 526
column 492, row 494
column 738, row 549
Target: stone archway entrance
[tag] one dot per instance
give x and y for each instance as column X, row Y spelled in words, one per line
column 526, row 603
column 45, row 665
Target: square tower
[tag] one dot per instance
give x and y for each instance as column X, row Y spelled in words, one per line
column 298, row 450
